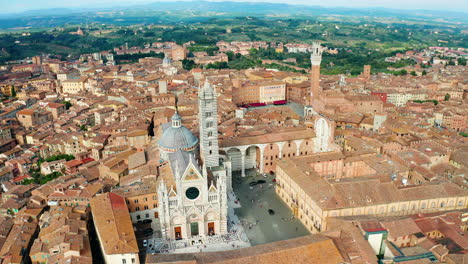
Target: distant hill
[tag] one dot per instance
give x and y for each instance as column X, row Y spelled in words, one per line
column 205, row 9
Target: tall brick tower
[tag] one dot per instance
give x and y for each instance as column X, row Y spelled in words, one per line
column 367, row 71
column 315, row 59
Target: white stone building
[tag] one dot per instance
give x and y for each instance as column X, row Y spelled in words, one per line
column 193, row 202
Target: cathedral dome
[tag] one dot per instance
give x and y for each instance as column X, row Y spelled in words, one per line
column 177, row 137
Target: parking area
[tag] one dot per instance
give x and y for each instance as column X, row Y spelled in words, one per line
column 264, row 216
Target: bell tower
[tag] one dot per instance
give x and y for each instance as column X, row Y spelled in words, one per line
column 208, row 123
column 315, row 59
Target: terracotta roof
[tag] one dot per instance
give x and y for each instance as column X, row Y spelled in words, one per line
column 113, row 224
column 268, row 138
column 26, row 112
column 307, row 249
column 358, row 192
column 55, row 105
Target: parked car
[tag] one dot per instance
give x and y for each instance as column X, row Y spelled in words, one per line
column 147, row 221
column 260, row 181
column 271, row 212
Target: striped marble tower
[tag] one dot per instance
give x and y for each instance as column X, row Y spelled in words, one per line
column 208, row 122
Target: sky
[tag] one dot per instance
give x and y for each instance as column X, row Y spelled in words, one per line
column 16, row 6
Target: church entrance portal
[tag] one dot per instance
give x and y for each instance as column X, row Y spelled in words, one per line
column 194, row 229
column 178, row 232
column 211, row 231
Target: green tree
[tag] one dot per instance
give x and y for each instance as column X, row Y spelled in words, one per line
column 413, row 73
column 13, row 91
column 67, row 104
column 424, row 73
column 447, row 97
column 188, row 64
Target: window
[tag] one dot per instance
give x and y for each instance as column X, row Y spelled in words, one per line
column 210, row 134
column 124, row 261
column 138, row 217
column 133, row 260
column 208, row 114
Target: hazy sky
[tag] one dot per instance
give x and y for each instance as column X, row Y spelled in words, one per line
column 12, row 6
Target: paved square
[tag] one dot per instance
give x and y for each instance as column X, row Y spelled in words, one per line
column 260, row 226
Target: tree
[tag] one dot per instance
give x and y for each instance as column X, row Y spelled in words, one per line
column 413, row 73
column 424, row 73
column 13, row 91
column 188, row 64
column 67, row 104
column 447, row 97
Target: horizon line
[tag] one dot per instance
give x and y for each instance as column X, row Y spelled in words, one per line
column 136, row 4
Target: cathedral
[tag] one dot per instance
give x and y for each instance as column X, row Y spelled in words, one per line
column 193, row 203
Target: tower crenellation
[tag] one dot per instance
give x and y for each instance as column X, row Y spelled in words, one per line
column 315, row 59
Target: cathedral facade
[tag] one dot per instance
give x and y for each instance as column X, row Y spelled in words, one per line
column 193, row 201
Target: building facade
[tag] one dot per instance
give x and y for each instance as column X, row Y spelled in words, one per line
column 192, row 199
column 314, row 199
